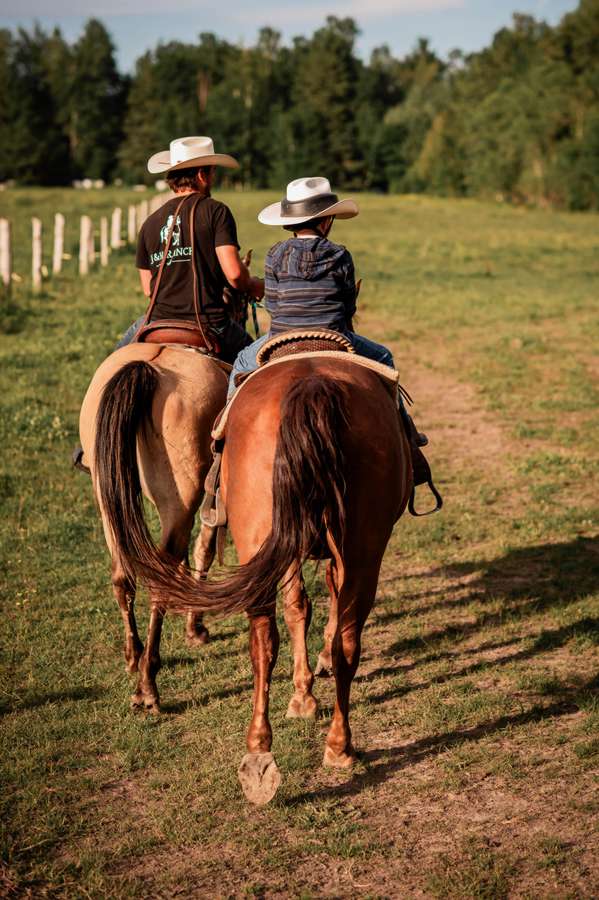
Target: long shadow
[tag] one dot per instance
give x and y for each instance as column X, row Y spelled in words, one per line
column 527, row 581
column 546, row 640
column 437, row 656
column 32, row 701
column 393, row 759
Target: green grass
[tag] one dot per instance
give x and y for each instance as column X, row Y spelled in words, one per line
column 476, row 704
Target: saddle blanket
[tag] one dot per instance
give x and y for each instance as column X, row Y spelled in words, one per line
column 388, row 376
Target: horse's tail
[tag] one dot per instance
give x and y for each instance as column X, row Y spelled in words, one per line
column 308, row 503
column 124, row 412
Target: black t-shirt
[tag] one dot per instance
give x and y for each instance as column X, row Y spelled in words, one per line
column 214, row 227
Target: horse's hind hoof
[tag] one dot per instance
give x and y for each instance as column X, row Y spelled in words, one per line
column 197, row 638
column 141, row 703
column 259, row 777
column 302, row 707
column 324, row 666
column 343, row 760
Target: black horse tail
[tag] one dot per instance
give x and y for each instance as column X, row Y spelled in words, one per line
column 123, row 415
column 308, row 491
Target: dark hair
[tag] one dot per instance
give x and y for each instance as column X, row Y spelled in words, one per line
column 180, row 179
column 311, row 223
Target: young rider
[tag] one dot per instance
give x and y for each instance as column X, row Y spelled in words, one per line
column 310, row 282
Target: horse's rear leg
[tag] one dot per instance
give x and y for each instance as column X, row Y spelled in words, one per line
column 258, row 772
column 175, row 540
column 204, row 550
column 324, row 666
column 124, row 592
column 146, row 694
column 355, row 603
column 298, row 613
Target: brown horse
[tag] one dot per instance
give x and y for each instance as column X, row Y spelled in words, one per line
column 145, row 429
column 315, row 465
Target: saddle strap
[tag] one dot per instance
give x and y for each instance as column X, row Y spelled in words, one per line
column 167, row 246
column 212, row 511
column 197, row 302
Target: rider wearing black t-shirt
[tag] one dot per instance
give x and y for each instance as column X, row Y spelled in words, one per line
column 216, row 255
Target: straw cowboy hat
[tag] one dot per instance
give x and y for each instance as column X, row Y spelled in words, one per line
column 187, row 152
column 305, row 199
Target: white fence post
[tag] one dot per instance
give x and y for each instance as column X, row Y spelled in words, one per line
column 36, row 255
column 104, row 248
column 58, row 243
column 142, row 213
column 92, row 244
column 131, row 225
column 115, row 228
column 5, row 253
column 84, row 241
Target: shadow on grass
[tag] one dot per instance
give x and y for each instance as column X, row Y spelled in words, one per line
column 15, row 315
column 384, row 763
column 548, row 639
column 34, row 700
column 527, row 581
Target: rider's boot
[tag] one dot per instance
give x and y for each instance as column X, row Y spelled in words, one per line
column 77, row 459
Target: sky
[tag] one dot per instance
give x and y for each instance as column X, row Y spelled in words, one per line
column 138, row 25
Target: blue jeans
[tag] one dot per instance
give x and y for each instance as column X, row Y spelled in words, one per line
column 246, row 359
column 131, row 332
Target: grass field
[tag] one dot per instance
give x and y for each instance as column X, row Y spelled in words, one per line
column 476, row 706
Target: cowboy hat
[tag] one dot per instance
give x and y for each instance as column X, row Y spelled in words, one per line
column 187, row 152
column 305, row 199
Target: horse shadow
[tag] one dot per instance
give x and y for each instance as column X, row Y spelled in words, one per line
column 381, row 764
column 526, row 581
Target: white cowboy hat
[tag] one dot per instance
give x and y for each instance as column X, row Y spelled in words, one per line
column 187, row 152
column 305, row 199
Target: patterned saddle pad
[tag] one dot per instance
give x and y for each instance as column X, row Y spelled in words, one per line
column 302, row 341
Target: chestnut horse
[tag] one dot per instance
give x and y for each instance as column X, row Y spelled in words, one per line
column 315, row 465
column 145, row 430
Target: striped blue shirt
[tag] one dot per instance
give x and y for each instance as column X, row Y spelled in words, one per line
column 309, row 282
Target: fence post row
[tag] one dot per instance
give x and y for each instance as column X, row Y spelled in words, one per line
column 36, row 254
column 110, row 238
column 5, row 253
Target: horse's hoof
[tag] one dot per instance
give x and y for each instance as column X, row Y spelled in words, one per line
column 324, row 666
column 144, row 703
column 259, row 776
column 302, row 707
column 343, row 760
column 197, row 638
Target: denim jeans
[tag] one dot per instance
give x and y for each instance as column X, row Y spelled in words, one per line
column 131, row 332
column 246, row 359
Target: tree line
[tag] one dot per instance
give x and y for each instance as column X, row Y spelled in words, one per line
column 518, row 119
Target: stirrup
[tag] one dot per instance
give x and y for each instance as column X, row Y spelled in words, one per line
column 439, row 500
